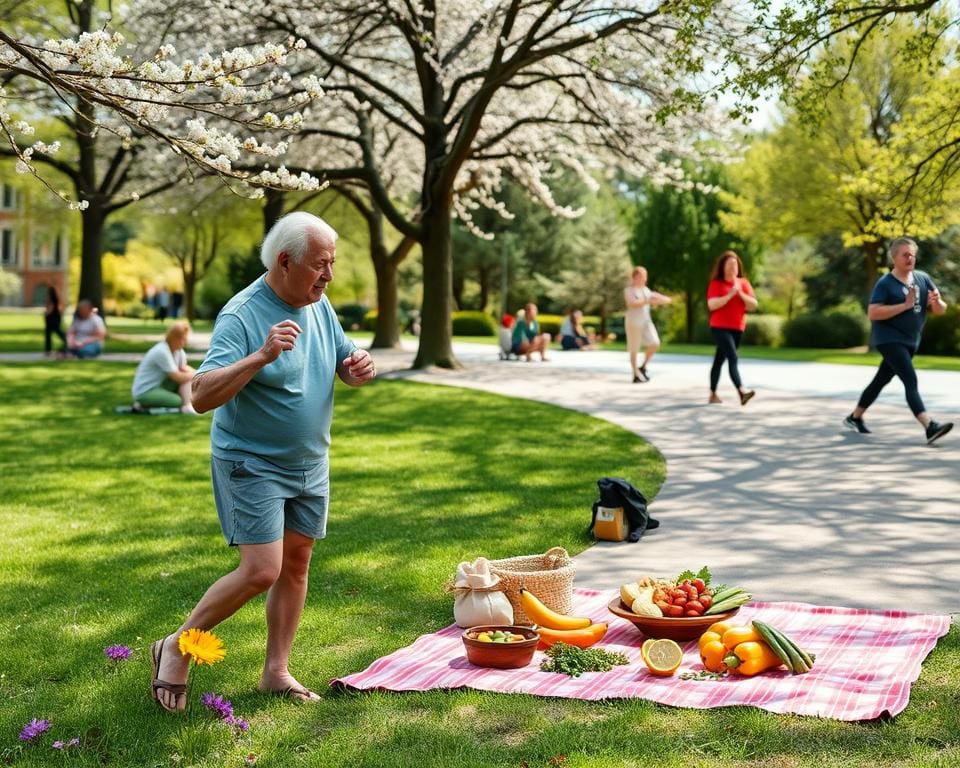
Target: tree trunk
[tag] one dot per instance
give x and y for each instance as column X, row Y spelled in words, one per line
column 386, row 335
column 688, row 311
column 436, row 333
column 273, row 202
column 91, row 270
column 873, row 255
column 189, row 292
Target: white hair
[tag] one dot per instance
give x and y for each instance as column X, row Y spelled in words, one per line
column 289, row 235
column 899, row 243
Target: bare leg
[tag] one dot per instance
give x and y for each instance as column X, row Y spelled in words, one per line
column 260, row 565
column 284, row 605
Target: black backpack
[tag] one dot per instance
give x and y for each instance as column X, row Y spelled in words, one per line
column 617, row 492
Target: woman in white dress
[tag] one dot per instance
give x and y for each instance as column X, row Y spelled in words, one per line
column 641, row 332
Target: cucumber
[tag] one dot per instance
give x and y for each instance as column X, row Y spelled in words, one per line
column 728, row 604
column 726, row 592
column 797, row 658
column 770, row 639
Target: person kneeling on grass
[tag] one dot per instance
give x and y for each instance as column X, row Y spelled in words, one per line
column 527, row 337
column 163, row 378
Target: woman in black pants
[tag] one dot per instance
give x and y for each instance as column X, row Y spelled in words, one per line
column 729, row 296
column 53, row 322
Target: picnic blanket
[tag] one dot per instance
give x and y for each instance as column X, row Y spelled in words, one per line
column 866, row 662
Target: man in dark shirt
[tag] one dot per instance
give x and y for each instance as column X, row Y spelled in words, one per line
column 897, row 311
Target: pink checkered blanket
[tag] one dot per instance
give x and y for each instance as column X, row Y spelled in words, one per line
column 866, row 662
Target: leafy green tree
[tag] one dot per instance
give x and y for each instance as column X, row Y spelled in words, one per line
column 678, row 233
column 596, row 280
column 849, row 173
column 784, row 273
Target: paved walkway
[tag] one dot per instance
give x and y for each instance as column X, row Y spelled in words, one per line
column 776, row 496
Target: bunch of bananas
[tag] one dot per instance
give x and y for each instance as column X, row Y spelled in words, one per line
column 555, row 627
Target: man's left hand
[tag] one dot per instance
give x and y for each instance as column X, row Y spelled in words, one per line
column 359, row 366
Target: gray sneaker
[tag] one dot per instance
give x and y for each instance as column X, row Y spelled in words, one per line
column 856, row 424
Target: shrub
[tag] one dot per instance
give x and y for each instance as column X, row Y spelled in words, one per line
column 472, row 323
column 352, row 315
column 941, row 334
column 838, row 329
column 550, row 323
column 763, row 330
column 369, row 321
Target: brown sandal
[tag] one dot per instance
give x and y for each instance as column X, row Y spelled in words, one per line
column 297, row 693
column 177, row 689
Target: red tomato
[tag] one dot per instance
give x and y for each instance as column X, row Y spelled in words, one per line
column 680, row 601
column 706, row 601
column 691, row 613
column 687, row 587
column 695, row 605
column 699, row 584
column 662, row 605
column 674, row 611
column 693, row 594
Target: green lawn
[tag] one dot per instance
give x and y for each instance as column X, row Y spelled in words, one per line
column 111, row 536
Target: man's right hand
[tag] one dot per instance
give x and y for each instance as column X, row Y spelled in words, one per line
column 281, row 338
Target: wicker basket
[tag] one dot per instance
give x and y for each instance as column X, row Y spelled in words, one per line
column 548, row 576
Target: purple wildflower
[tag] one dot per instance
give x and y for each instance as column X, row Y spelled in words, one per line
column 117, row 652
column 238, row 723
column 218, row 704
column 73, row 743
column 33, row 729
column 58, row 744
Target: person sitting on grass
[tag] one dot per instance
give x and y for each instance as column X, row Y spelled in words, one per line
column 86, row 333
column 572, row 333
column 163, row 378
column 527, row 338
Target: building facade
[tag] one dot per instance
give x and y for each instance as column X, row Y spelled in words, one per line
column 38, row 255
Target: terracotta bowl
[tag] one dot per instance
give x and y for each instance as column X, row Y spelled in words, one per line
column 500, row 655
column 684, row 628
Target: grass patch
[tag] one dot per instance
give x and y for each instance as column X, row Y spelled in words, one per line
column 111, row 536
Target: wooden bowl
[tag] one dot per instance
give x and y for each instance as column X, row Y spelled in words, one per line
column 500, row 655
column 683, row 628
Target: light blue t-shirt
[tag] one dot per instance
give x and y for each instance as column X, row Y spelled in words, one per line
column 283, row 414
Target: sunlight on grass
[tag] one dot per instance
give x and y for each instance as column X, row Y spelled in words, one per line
column 111, row 537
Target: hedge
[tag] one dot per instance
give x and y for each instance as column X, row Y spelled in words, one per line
column 763, row 330
column 472, row 323
column 941, row 334
column 836, row 329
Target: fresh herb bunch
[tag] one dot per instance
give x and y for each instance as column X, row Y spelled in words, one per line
column 703, row 573
column 573, row 661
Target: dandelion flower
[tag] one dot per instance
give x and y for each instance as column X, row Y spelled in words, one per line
column 33, row 729
column 117, row 652
column 202, row 646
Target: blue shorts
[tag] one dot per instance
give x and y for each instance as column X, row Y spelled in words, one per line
column 257, row 500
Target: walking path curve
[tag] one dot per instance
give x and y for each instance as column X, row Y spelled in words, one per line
column 777, row 495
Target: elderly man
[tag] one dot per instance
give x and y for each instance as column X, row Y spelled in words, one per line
column 269, row 373
column 86, row 333
column 897, row 310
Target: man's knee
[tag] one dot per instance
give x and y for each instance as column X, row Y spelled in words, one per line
column 261, row 576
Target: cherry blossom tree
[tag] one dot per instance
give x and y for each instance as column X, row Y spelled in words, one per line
column 484, row 90
column 122, row 116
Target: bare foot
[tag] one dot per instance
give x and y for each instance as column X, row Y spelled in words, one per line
column 173, row 668
column 286, row 685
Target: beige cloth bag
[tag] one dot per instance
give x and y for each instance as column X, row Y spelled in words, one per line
column 478, row 598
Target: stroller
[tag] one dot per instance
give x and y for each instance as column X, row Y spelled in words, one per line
column 506, row 338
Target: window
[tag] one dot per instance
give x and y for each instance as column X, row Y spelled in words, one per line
column 8, row 248
column 48, row 252
column 8, row 197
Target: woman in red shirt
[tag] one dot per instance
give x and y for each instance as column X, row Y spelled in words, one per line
column 729, row 296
